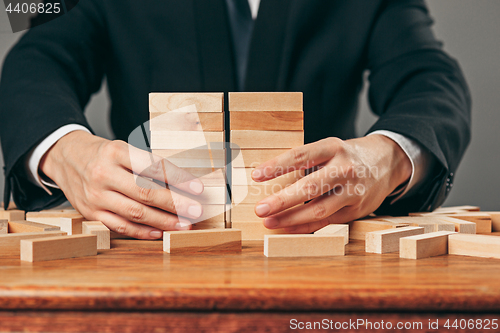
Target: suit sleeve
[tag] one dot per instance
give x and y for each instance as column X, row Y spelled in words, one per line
column 420, row 92
column 47, row 79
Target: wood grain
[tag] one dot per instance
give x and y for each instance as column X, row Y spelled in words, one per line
column 183, row 139
column 54, row 248
column 267, row 139
column 461, row 226
column 253, row 193
column 243, row 176
column 252, row 158
column 10, row 243
column 482, row 220
column 265, row 101
column 27, row 226
column 386, row 241
column 495, row 220
column 267, row 120
column 193, row 158
column 187, row 121
column 359, row 228
column 425, row 245
column 4, row 227
column 204, row 102
column 429, row 223
column 219, row 240
column 335, row 229
column 254, row 230
column 474, row 245
column 276, row 246
column 100, row 230
column 12, row 214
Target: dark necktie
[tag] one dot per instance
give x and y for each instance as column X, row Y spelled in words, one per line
column 241, row 22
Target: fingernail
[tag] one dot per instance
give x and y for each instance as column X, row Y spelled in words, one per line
column 155, row 234
column 195, row 211
column 257, row 174
column 262, row 210
column 196, row 186
column 271, row 222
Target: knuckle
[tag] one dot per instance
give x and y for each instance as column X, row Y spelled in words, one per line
column 122, row 228
column 319, row 211
column 114, row 149
column 135, row 212
column 98, row 173
column 311, row 187
column 300, row 156
column 145, row 195
column 280, row 202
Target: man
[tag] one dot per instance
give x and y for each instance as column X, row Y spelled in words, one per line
column 321, row 48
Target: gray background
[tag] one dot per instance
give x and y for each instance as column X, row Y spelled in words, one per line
column 470, row 30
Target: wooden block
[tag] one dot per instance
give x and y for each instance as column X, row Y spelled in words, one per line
column 190, row 120
column 486, row 246
column 243, row 176
column 254, row 230
column 429, row 223
column 335, row 229
column 212, row 214
column 27, row 226
column 461, row 226
column 204, row 172
column 265, row 101
column 267, row 139
column 12, row 215
column 386, row 241
column 252, row 158
column 115, row 235
column 51, row 217
column 253, row 194
column 193, row 158
column 209, row 225
column 54, row 248
column 424, row 246
column 201, row 240
column 482, row 220
column 359, row 228
column 495, row 220
column 4, row 227
column 216, row 178
column 451, row 210
column 10, row 243
column 244, row 213
column 184, row 139
column 210, row 195
column 72, row 225
column 303, row 245
column 267, row 120
column 204, row 102
column 100, row 230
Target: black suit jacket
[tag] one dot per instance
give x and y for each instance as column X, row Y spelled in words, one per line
column 322, row 48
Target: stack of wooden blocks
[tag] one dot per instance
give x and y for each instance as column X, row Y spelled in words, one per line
column 187, row 129
column 263, row 125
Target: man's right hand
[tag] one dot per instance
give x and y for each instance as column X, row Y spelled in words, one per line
column 96, row 176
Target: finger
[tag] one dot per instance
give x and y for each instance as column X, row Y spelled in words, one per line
column 307, row 228
column 134, row 211
column 344, row 215
column 298, row 158
column 305, row 189
column 150, row 194
column 316, row 210
column 122, row 226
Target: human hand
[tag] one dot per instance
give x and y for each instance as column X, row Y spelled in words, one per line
column 96, row 176
column 353, row 179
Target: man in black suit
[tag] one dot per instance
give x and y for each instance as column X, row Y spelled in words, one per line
column 322, row 48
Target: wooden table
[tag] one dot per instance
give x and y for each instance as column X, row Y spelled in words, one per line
column 135, row 286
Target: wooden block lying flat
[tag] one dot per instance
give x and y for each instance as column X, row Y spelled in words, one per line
column 495, row 220
column 27, row 226
column 4, row 227
column 359, row 228
column 265, row 101
column 255, row 230
column 201, row 240
column 267, row 120
column 12, row 214
column 183, row 139
column 243, row 176
column 100, row 230
column 486, row 246
column 482, row 220
column 387, row 241
column 71, row 225
column 252, row 158
column 267, row 139
column 187, row 121
column 303, row 245
column 429, row 223
column 451, row 210
column 461, row 226
column 335, row 229
column 216, row 178
column 424, row 246
column 208, row 173
column 209, row 225
column 10, row 243
column 193, row 158
column 204, row 102
column 51, row 217
column 212, row 214
column 244, row 213
column 54, row 248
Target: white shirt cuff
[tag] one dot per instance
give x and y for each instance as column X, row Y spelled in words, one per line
column 35, row 156
column 421, row 160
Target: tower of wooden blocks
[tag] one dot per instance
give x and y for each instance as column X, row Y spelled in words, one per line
column 263, row 126
column 187, row 129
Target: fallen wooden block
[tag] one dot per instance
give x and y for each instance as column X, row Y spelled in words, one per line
column 184, row 139
column 204, row 102
column 4, row 227
column 10, row 243
column 495, row 220
column 482, row 220
column 267, row 120
column 461, row 226
column 425, row 245
column 252, row 158
column 27, row 226
column 243, row 176
column 474, row 245
column 54, row 248
column 386, row 241
column 51, row 217
column 335, row 229
column 187, row 119
column 72, row 225
column 265, row 101
column 448, row 210
column 100, row 230
column 359, row 228
column 255, row 230
column 267, row 139
column 202, row 240
column 429, row 223
column 303, row 245
column 12, row 214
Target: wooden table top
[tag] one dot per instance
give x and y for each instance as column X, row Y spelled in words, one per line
column 138, row 275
